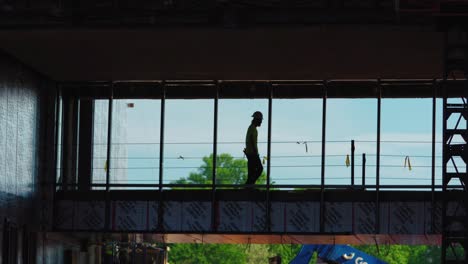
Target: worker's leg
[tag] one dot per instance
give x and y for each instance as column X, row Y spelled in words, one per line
column 255, row 169
column 251, row 169
column 258, row 168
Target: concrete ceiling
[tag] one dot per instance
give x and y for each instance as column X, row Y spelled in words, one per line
column 308, row 53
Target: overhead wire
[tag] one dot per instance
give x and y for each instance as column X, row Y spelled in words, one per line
column 276, row 157
column 274, row 142
column 181, row 157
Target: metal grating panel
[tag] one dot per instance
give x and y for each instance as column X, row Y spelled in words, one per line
column 130, row 215
column 89, row 215
column 295, row 217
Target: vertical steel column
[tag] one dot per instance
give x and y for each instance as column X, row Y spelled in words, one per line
column 109, row 153
column 161, row 157
column 58, row 145
column 445, row 159
column 215, row 137
column 85, row 148
column 446, row 70
column 270, row 112
column 161, row 135
column 70, row 141
column 270, row 106
column 324, row 122
column 352, row 163
column 352, row 181
column 57, row 122
column 434, row 106
column 215, row 159
column 377, row 173
column 322, row 176
column 109, row 136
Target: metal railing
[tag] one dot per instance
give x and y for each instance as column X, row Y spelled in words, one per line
column 346, row 177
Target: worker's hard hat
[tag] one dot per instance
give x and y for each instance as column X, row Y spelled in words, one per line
column 257, row 115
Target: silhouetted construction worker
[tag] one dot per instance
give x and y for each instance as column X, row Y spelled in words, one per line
column 254, row 164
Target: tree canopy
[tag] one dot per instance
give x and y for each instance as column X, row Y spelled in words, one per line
column 229, row 171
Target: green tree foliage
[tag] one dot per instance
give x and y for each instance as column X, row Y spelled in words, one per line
column 393, row 254
column 207, row 254
column 287, row 252
column 231, row 254
column 257, row 254
column 230, row 171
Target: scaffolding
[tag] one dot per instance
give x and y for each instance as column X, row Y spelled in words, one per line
column 455, row 147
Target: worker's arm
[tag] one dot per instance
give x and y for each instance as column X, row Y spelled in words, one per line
column 254, row 142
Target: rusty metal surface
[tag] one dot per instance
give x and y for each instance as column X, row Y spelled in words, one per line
column 220, row 238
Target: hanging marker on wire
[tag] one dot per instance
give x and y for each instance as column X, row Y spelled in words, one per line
column 347, row 162
column 305, row 144
column 407, row 161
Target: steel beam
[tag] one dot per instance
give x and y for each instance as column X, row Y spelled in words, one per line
column 240, row 89
column 322, row 174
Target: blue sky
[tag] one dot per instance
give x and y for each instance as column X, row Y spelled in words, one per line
column 406, row 130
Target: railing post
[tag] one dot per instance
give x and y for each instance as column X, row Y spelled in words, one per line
column 214, row 162
column 352, row 163
column 161, row 135
column 434, row 107
column 270, row 111
column 215, row 137
column 364, row 170
column 161, row 158
column 377, row 173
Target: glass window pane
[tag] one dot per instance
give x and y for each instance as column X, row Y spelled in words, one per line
column 188, row 141
column 406, row 137
column 234, row 118
column 100, row 131
column 347, row 120
column 135, row 142
column 296, row 147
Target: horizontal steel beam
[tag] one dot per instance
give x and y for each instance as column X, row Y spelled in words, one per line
column 340, row 195
column 248, row 89
column 230, row 14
